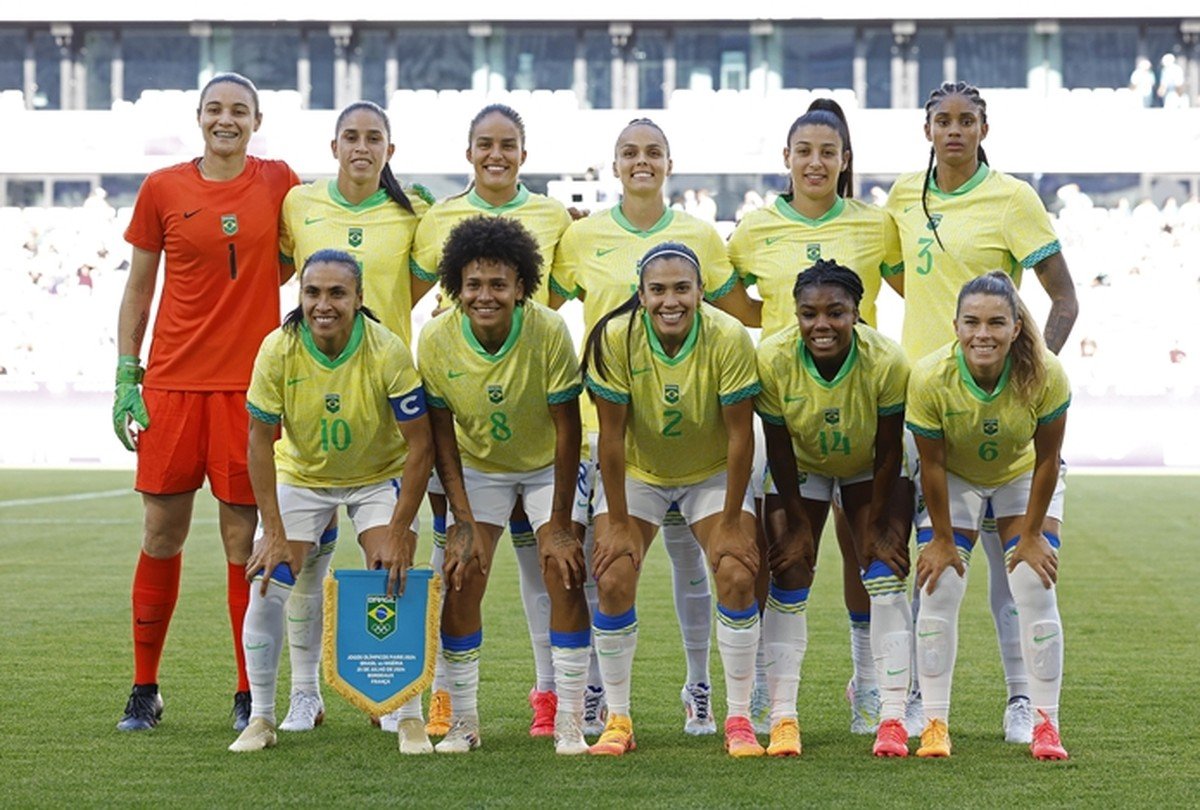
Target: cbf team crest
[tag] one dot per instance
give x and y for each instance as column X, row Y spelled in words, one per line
column 355, row 237
column 991, row 427
column 833, row 416
column 333, row 402
column 671, row 393
column 813, row 251
column 495, row 394
column 381, row 616
column 229, row 224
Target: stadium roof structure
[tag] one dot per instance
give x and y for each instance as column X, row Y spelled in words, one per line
column 80, row 11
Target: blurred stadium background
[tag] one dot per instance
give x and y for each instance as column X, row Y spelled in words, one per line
column 93, row 97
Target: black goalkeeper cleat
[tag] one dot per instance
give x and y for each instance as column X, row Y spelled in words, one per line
column 241, row 710
column 144, row 709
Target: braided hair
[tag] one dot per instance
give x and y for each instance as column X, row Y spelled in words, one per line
column 828, row 271
column 971, row 93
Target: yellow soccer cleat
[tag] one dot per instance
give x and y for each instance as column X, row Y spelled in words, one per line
column 785, row 739
column 616, row 739
column 935, row 740
column 439, row 714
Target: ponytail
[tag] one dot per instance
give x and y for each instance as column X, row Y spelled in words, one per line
column 387, row 179
column 1028, row 351
column 828, row 113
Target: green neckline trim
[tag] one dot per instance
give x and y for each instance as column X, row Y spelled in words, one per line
column 516, row 202
column 514, row 332
column 374, row 201
column 666, row 219
column 656, row 345
column 969, row 381
column 980, row 175
column 806, row 360
column 356, row 336
column 783, row 205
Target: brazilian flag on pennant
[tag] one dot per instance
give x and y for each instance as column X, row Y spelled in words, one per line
column 380, row 651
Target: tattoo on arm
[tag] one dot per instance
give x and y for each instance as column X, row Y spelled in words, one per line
column 139, row 330
column 1058, row 328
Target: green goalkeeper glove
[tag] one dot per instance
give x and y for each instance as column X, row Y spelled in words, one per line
column 128, row 407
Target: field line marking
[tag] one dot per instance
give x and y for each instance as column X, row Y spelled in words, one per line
column 79, row 496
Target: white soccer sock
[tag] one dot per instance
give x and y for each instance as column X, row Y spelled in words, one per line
column 860, row 652
column 1004, row 615
column 693, row 598
column 536, row 602
column 784, row 640
column 437, row 561
column 592, row 594
column 460, row 654
column 412, row 708
column 937, row 642
column 891, row 647
column 305, row 614
column 1041, row 637
column 615, row 647
column 570, row 676
column 737, row 642
column 262, row 641
column 915, row 609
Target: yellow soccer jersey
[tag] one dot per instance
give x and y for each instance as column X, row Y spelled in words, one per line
column 772, row 245
column 377, row 232
column 989, row 437
column 675, row 434
column 501, row 401
column 992, row 222
column 598, row 258
column 542, row 216
column 832, row 422
column 339, row 416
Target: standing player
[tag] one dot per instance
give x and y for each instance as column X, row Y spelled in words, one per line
column 217, row 220
column 957, row 220
column 496, row 151
column 352, row 408
column 817, row 219
column 832, row 405
column 673, row 383
column 366, row 213
column 988, row 413
column 597, row 262
column 499, row 367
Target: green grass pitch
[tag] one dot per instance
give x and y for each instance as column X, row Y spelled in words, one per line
column 1127, row 594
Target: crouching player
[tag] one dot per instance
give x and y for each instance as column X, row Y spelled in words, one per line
column 504, row 387
column 988, row 414
column 352, row 408
column 673, row 381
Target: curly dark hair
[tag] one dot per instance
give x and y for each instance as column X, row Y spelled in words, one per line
column 828, row 271
column 500, row 239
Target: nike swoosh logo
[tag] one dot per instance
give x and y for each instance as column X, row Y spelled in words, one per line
column 455, row 374
column 770, row 240
column 897, row 671
column 294, row 380
column 152, row 621
column 190, row 214
column 957, row 413
column 311, row 220
column 460, row 684
column 696, row 581
column 793, row 399
column 256, row 646
column 637, row 371
column 930, row 633
column 604, row 251
column 301, row 621
column 1040, row 639
column 910, row 207
column 607, row 653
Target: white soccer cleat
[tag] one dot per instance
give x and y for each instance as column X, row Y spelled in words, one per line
column 697, row 706
column 595, row 711
column 914, row 715
column 760, row 708
column 390, row 722
column 1018, row 721
column 306, row 711
column 462, row 737
column 258, row 735
column 413, row 739
column 865, row 707
column 568, row 735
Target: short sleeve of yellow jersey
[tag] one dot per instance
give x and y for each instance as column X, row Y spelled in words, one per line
column 399, row 369
column 264, row 399
column 738, row 374
column 769, row 400
column 428, row 350
column 564, row 275
column 1027, row 230
column 563, row 379
column 613, row 385
column 923, row 407
column 716, row 270
column 1056, row 393
column 427, row 244
column 893, row 256
column 893, row 377
column 739, row 249
column 287, row 242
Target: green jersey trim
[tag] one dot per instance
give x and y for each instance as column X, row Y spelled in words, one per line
column 891, row 410
column 559, row 397
column 980, row 175
column 666, row 219
column 356, row 336
column 436, row 402
column 965, row 374
column 810, row 366
column 263, row 416
column 424, row 193
column 374, row 201
column 888, row 271
column 514, row 332
column 656, row 348
column 724, row 289
column 1054, row 414
column 1042, row 253
column 734, row 397
column 749, row 279
column 420, row 272
column 520, row 199
column 783, row 204
column 558, row 289
column 606, row 393
column 771, row 418
column 928, row 433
